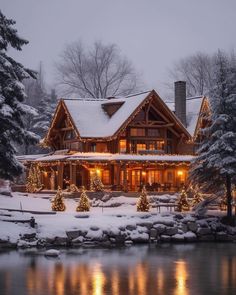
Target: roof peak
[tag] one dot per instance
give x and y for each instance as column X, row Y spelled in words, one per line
column 105, row 99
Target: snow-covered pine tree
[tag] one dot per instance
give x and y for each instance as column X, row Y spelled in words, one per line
column 214, row 168
column 12, row 95
column 44, row 104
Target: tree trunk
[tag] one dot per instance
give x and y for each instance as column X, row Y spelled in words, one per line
column 229, row 196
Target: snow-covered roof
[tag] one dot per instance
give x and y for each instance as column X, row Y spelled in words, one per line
column 193, row 107
column 91, row 120
column 116, row 157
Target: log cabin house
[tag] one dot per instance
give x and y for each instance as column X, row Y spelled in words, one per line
column 127, row 141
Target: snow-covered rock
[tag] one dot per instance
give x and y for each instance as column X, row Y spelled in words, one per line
column 52, row 253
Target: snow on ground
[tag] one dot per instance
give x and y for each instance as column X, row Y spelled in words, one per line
column 121, row 213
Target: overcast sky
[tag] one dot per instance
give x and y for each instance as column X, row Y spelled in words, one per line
column 153, row 34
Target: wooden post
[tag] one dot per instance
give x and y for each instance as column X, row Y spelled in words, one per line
column 125, row 178
column 60, row 168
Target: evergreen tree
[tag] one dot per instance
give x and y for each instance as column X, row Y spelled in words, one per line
column 183, row 204
column 96, row 184
column 12, row 95
column 143, row 204
column 44, row 105
column 214, row 168
column 83, row 205
column 58, row 201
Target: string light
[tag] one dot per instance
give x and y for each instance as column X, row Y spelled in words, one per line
column 58, row 201
column 143, row 204
column 83, row 205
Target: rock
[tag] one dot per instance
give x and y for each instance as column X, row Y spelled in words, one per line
column 153, row 233
column 131, row 226
column 78, row 240
column 73, row 234
column 160, row 228
column 139, row 238
column 164, row 238
column 231, row 230
column 167, row 222
column 52, row 253
column 25, row 244
column 192, row 226
column 206, row 238
column 82, row 215
column 203, row 223
column 145, row 216
column 147, row 224
column 29, row 236
column 184, row 227
column 224, row 237
column 177, row 238
column 120, row 239
column 170, row 231
column 128, row 243
column 190, row 236
column 94, row 228
column 204, row 231
column 60, row 241
column 179, row 216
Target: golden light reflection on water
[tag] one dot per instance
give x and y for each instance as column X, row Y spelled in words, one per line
column 141, row 276
column 181, row 276
column 98, row 280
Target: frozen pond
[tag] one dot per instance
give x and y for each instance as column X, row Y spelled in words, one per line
column 138, row 270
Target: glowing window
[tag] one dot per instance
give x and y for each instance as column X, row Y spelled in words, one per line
column 122, row 144
column 137, row 132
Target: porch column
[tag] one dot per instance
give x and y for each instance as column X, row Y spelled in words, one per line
column 60, row 169
column 125, row 178
column 72, row 173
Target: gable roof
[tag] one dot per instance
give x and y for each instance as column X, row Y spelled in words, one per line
column 193, row 109
column 91, row 120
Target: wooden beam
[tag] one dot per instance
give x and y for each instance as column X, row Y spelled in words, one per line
column 154, row 126
column 160, row 114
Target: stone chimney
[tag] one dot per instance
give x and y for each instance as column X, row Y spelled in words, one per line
column 180, row 101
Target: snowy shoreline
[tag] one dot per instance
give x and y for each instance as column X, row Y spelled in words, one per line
column 103, row 226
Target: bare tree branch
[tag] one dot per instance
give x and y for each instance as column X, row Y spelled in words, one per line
column 97, row 72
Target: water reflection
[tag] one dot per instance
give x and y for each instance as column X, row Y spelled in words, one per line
column 175, row 270
column 181, row 276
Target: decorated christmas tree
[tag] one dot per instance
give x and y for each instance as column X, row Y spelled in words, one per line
column 34, row 180
column 143, row 203
column 58, row 202
column 83, row 205
column 183, row 204
column 196, row 199
column 96, row 184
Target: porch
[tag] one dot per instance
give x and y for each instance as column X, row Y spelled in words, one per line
column 126, row 176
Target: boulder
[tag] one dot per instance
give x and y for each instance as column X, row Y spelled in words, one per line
column 224, row 237
column 153, row 233
column 170, row 231
column 177, row 238
column 73, row 234
column 160, row 228
column 204, row 231
column 192, row 226
column 147, row 224
column 131, row 226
